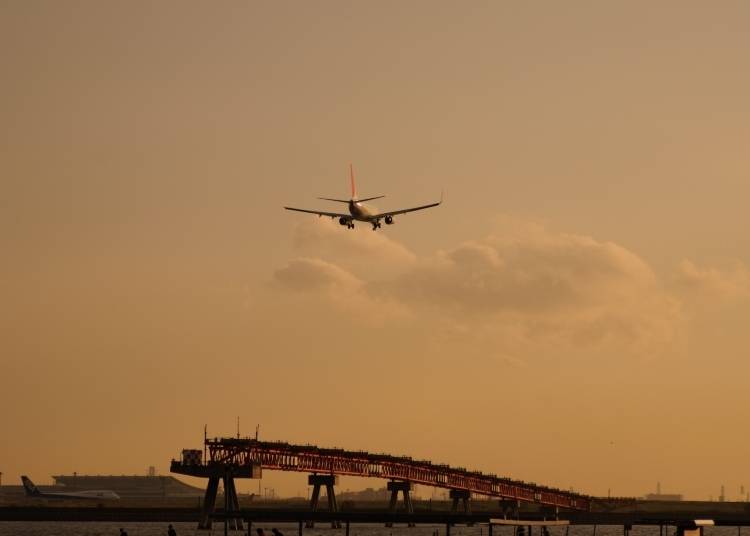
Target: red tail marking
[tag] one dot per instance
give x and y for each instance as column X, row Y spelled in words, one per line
column 354, row 188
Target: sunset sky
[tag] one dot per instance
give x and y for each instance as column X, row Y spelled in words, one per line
column 575, row 314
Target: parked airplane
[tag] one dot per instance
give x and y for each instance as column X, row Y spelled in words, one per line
column 33, row 491
column 359, row 212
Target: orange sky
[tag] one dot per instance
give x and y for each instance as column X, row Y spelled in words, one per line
column 575, row 314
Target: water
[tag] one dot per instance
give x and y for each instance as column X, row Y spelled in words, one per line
column 25, row 528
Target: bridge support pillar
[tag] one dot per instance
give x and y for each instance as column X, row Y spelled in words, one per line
column 550, row 512
column 509, row 508
column 464, row 496
column 405, row 487
column 231, row 502
column 317, row 481
column 209, row 503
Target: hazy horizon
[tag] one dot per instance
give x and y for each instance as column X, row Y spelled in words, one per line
column 575, row 314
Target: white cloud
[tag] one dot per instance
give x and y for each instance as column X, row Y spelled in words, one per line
column 729, row 283
column 523, row 289
column 329, row 285
column 554, row 273
column 532, row 284
column 315, row 274
column 361, row 250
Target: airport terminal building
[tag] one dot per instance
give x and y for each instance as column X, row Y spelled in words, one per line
column 126, row 486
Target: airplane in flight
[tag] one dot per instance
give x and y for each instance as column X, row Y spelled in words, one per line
column 33, row 491
column 359, row 212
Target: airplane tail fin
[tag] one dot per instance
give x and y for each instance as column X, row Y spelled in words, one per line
column 29, row 486
column 354, row 187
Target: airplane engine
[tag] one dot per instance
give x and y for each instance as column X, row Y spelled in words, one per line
column 389, row 220
column 343, row 221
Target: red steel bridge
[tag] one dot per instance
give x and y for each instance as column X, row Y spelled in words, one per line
column 246, row 458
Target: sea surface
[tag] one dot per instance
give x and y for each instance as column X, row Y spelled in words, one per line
column 25, row 528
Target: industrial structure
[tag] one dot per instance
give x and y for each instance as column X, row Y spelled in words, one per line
column 230, row 458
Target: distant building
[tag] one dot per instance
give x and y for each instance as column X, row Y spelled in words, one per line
column 663, row 497
column 659, row 496
column 129, row 486
column 366, row 495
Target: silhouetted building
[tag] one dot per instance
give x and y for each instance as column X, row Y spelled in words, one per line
column 129, row 486
column 366, row 495
column 663, row 497
column 659, row 496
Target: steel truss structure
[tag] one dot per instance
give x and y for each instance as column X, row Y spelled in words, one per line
column 246, row 455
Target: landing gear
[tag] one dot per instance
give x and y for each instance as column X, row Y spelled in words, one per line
column 350, row 225
column 376, row 225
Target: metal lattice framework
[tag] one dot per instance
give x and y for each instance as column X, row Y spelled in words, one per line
column 311, row 459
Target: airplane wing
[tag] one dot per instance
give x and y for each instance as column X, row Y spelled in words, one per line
column 405, row 210
column 321, row 213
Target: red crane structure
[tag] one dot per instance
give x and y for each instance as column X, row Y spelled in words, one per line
column 229, row 458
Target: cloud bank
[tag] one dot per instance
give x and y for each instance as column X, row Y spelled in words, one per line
column 728, row 283
column 522, row 288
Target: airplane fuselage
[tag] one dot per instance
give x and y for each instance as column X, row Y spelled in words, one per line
column 359, row 212
column 99, row 494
